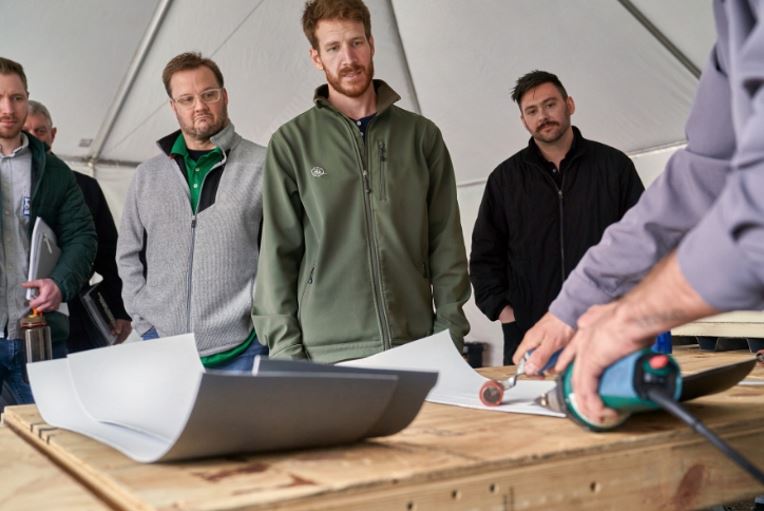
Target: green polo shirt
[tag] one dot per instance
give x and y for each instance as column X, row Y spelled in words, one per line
column 196, row 171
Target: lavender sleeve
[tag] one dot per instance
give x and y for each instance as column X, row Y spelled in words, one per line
column 723, row 257
column 672, row 206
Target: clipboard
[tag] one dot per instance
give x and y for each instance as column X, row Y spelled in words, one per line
column 43, row 254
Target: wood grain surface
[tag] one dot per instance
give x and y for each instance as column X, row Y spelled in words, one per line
column 452, row 458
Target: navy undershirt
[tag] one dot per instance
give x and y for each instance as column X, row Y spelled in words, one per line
column 363, row 123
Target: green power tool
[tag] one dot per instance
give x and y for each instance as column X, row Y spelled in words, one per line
column 626, row 387
column 645, row 380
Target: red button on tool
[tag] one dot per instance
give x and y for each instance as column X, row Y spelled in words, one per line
column 659, row 361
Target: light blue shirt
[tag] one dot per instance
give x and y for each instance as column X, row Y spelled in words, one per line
column 15, row 203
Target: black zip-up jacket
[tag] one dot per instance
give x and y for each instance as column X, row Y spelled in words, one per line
column 82, row 331
column 533, row 227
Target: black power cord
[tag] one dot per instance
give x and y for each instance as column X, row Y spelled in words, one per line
column 660, row 397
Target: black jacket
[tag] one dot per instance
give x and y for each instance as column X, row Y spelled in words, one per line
column 83, row 334
column 58, row 201
column 532, row 229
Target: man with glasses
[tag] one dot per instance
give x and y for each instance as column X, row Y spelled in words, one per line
column 188, row 246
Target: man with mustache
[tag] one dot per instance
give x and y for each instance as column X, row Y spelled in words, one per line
column 35, row 184
column 543, row 208
column 694, row 243
column 362, row 244
column 188, row 247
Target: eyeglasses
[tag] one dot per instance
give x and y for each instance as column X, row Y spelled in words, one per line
column 208, row 96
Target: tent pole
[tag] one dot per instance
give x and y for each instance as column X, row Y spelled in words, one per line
column 127, row 83
column 661, row 37
column 85, row 160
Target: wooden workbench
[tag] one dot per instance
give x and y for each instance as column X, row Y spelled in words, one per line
column 731, row 324
column 451, row 459
column 29, row 481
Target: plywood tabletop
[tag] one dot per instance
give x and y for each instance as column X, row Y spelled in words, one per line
column 450, row 458
column 29, row 481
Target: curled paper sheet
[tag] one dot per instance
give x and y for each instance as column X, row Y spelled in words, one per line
column 458, row 383
column 154, row 401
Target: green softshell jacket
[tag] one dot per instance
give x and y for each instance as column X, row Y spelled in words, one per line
column 362, row 247
column 57, row 199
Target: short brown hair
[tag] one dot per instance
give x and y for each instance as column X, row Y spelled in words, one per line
column 185, row 62
column 317, row 10
column 9, row 67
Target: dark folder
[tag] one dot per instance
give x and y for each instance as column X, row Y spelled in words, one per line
column 99, row 312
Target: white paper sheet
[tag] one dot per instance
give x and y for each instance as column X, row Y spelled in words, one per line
column 155, row 402
column 57, row 401
column 458, row 384
column 147, row 386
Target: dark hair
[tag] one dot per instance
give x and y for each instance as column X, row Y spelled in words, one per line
column 534, row 79
column 9, row 67
column 187, row 61
column 317, row 10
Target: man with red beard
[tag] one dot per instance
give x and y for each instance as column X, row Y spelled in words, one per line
column 543, row 208
column 362, row 245
column 188, row 247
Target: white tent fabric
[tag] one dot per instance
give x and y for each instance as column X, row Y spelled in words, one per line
column 97, row 66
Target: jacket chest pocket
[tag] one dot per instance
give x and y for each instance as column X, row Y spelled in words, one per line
column 381, row 160
column 399, row 182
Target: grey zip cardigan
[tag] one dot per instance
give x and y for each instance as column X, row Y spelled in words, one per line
column 193, row 272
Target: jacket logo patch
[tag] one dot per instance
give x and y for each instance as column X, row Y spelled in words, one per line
column 317, row 172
